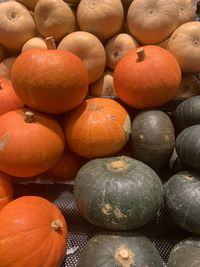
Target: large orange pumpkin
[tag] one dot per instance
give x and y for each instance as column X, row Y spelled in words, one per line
column 8, row 98
column 6, row 189
column 33, row 233
column 98, row 127
column 146, row 77
column 51, row 81
column 30, row 143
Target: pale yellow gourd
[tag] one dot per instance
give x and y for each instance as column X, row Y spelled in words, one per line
column 117, row 47
column 16, row 25
column 152, row 21
column 187, row 11
column 89, row 49
column 54, row 18
column 30, row 4
column 103, row 18
column 35, row 42
column 184, row 44
column 5, row 67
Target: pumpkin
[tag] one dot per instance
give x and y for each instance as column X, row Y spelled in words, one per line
column 118, row 46
column 156, row 148
column 152, row 21
column 185, row 253
column 184, row 44
column 119, row 249
column 5, row 67
column 104, row 85
column 164, row 43
column 187, row 11
column 8, row 98
column 49, row 80
column 37, row 136
column 35, row 42
column 54, row 18
column 16, row 25
column 33, row 233
column 96, row 16
column 182, row 200
column 6, row 189
column 89, row 49
column 30, row 4
column 117, row 193
column 147, row 77
column 98, row 127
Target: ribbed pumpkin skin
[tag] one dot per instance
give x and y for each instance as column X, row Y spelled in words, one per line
column 27, row 237
column 117, row 193
column 153, row 138
column 188, row 145
column 6, row 189
column 28, row 149
column 105, row 249
column 51, row 81
column 185, row 253
column 182, row 199
column 148, row 83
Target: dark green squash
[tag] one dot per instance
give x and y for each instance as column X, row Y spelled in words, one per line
column 153, row 138
column 182, row 200
column 119, row 250
column 188, row 146
column 185, row 254
column 117, row 193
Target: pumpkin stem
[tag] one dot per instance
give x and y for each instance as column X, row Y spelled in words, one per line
column 117, row 165
column 123, row 253
column 57, row 225
column 140, row 54
column 50, row 43
column 125, row 257
column 29, row 116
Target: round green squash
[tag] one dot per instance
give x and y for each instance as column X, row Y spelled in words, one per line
column 187, row 146
column 182, row 200
column 185, row 254
column 153, row 138
column 119, row 250
column 117, row 193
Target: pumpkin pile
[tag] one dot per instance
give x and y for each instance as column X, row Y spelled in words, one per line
column 106, row 94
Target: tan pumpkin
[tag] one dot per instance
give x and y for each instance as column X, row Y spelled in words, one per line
column 5, row 67
column 35, row 42
column 117, row 47
column 6, row 189
column 187, row 11
column 89, row 49
column 104, row 85
column 101, row 17
column 152, row 21
column 164, row 43
column 16, row 25
column 54, row 18
column 30, row 4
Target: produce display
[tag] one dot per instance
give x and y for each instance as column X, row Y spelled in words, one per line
column 100, row 99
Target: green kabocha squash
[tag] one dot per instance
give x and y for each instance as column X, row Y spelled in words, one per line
column 185, row 254
column 153, row 138
column 117, row 249
column 117, row 193
column 182, row 200
column 188, row 146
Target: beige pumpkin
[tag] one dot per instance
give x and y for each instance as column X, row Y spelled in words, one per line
column 164, row 43
column 89, row 49
column 30, row 4
column 54, row 18
column 184, row 44
column 35, row 42
column 117, row 47
column 103, row 18
column 104, row 85
column 16, row 25
column 152, row 21
column 187, row 11
column 5, row 67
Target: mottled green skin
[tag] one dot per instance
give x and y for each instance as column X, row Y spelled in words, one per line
column 185, row 254
column 100, row 251
column 118, row 200
column 153, row 138
column 182, row 199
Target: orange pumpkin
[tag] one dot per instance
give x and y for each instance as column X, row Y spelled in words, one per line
column 33, row 233
column 51, row 81
column 6, row 189
column 30, row 143
column 8, row 98
column 147, row 77
column 98, row 127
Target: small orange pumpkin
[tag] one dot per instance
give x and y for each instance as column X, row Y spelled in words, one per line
column 98, row 127
column 33, row 233
column 147, row 77
column 6, row 189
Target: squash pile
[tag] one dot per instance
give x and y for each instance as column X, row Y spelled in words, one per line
column 90, row 91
